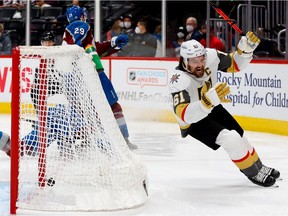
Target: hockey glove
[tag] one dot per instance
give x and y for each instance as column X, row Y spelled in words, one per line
column 247, row 45
column 214, row 96
column 121, row 41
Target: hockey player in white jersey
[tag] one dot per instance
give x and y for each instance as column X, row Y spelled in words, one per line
column 197, row 99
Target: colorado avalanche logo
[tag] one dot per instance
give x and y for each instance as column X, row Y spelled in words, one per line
column 174, row 78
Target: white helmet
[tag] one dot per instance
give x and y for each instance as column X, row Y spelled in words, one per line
column 191, row 49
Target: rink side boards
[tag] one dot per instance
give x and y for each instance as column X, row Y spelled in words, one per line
column 259, row 93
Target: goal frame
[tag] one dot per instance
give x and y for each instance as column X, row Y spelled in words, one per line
column 132, row 192
column 15, row 113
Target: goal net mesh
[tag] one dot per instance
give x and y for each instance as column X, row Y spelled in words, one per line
column 72, row 155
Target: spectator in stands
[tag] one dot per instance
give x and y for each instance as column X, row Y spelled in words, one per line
column 5, row 42
column 127, row 24
column 180, row 38
column 143, row 43
column 170, row 52
column 192, row 30
column 19, row 4
column 157, row 32
column 157, row 35
column 15, row 3
column 214, row 42
column 7, row 3
column 115, row 30
column 130, row 32
column 41, row 4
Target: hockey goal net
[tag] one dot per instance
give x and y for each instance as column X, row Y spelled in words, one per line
column 68, row 153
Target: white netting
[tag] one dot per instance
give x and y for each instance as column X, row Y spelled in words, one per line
column 72, row 153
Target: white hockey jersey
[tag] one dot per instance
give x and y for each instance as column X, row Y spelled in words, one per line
column 186, row 88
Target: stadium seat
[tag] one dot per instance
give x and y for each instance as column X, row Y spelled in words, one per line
column 6, row 14
column 49, row 13
column 15, row 24
column 38, row 25
column 34, row 11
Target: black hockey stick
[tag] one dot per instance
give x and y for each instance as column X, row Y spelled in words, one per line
column 108, row 51
column 225, row 17
column 29, row 120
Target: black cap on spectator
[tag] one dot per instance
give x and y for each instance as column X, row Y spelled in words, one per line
column 127, row 15
column 181, row 29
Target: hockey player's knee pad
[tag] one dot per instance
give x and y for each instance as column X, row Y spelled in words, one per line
column 231, row 141
column 108, row 88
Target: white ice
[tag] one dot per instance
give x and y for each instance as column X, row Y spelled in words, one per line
column 186, row 177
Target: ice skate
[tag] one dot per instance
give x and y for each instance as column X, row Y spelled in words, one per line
column 131, row 145
column 262, row 179
column 270, row 171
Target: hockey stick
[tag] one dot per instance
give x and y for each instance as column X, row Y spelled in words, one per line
column 29, row 120
column 109, row 51
column 225, row 17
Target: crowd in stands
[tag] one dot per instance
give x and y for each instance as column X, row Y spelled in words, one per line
column 144, row 31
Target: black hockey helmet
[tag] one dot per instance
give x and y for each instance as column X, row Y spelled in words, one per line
column 48, row 36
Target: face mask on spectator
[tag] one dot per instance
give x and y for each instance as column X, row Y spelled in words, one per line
column 127, row 24
column 189, row 28
column 137, row 30
column 121, row 24
column 180, row 35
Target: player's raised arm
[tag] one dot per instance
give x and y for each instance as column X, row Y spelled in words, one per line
column 239, row 59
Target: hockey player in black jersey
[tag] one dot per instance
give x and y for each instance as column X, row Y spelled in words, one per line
column 197, row 99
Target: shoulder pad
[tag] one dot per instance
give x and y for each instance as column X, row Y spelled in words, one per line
column 179, row 81
column 211, row 56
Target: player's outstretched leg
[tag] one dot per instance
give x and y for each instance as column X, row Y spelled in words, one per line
column 5, row 143
column 118, row 114
column 112, row 99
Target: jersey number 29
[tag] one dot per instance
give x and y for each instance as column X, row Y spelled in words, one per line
column 79, row 31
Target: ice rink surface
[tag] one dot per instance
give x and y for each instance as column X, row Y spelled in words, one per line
column 187, row 178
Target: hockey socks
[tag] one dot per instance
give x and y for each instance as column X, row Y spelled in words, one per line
column 264, row 169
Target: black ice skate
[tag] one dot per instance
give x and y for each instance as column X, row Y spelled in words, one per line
column 262, row 179
column 270, row 171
